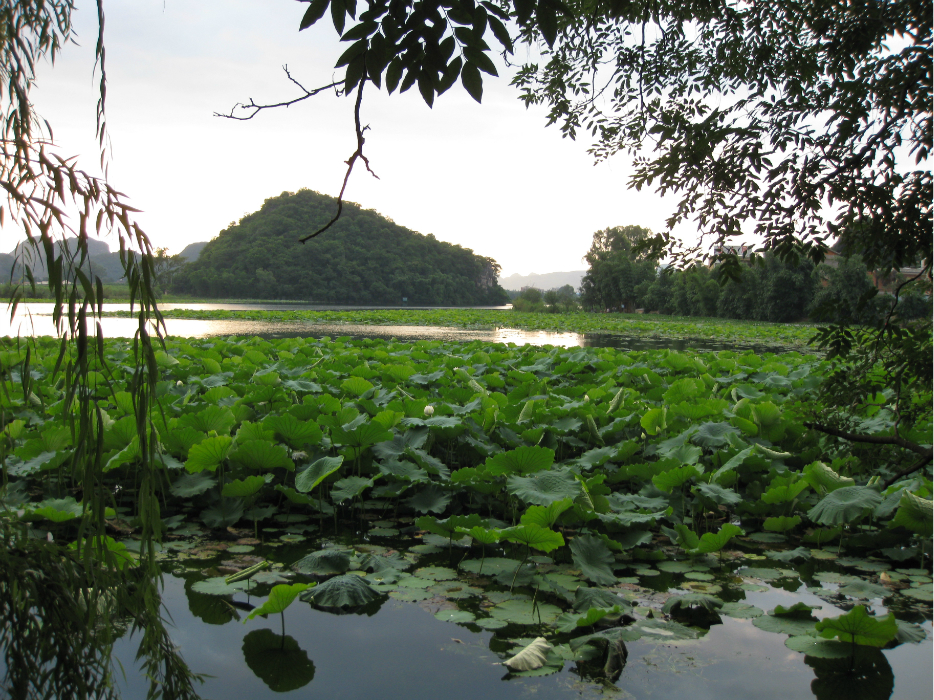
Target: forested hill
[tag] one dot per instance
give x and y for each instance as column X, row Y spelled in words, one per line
column 364, row 258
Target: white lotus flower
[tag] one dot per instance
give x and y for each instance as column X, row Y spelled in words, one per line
column 429, row 411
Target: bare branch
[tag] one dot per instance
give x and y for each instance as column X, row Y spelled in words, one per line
column 910, row 470
column 872, row 439
column 255, row 109
column 350, row 164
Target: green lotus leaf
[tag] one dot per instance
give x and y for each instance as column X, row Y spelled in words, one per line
column 219, row 419
column 522, row 460
column 597, row 456
column 324, row 562
column 664, row 632
column 244, row 488
column 800, row 611
column 292, row 431
column 741, row 611
column 356, row 385
column 859, row 627
column 540, row 538
column 294, row 496
column 863, row 589
column 653, row 421
column 784, row 494
column 845, row 505
column 307, row 479
column 430, row 499
column 253, row 431
column 360, row 436
column 349, row 487
column 785, row 625
column 402, row 442
column 456, row 616
column 404, row 471
column 545, row 488
column 58, row 510
column 218, row 586
column 675, row 478
column 594, row 559
column 823, row 479
column 208, row 454
column 713, row 435
column 545, row 516
column 746, row 391
column 790, row 555
column 262, row 455
column 191, row 485
column 781, row 523
column 533, row 656
column 685, row 389
column 277, row 660
column 818, row 648
column 481, row 534
column 180, row 440
column 718, row 494
column 436, row 573
column 492, row 566
column 914, row 513
column 570, row 621
column 280, row 598
column 525, row 612
column 224, row 514
column 681, row 603
column 344, row 591
column 302, row 386
column 909, row 632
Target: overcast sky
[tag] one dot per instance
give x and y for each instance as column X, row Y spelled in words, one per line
column 490, row 177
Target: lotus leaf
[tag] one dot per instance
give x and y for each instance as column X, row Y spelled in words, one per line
column 818, row 648
column 741, row 611
column 785, row 625
column 457, row 616
column 674, row 479
column 594, row 559
column 219, row 419
column 280, row 598
column 845, row 505
column 430, row 499
column 208, row 454
column 262, row 455
column 436, row 573
column 349, row 487
column 714, row 542
column 344, row 591
column 784, row 494
column 531, row 657
column 915, row 514
column 218, row 586
column 570, row 621
column 492, row 566
column 324, row 562
column 653, row 421
column 661, row 631
column 307, row 479
column 859, row 627
column 862, row 589
column 522, row 460
column 545, row 488
column 790, row 555
column 823, row 479
column 540, row 538
column 293, row 431
column 545, row 516
column 277, row 660
column 782, row 523
column 525, row 612
column 718, row 494
column 223, row 514
column 244, row 488
column 680, row 603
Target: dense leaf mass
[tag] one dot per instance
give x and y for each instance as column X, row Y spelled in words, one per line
column 364, row 259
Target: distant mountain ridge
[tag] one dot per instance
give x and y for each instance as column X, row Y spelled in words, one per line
column 100, row 263
column 545, row 280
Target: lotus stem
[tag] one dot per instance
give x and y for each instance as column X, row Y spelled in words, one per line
column 247, row 573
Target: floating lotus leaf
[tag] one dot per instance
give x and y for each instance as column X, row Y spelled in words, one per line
column 324, row 563
column 525, row 612
column 862, row 589
column 218, row 586
column 545, row 488
column 790, row 555
column 845, row 505
column 818, row 648
column 741, row 611
column 223, row 514
column 491, row 623
column 58, row 510
column 344, row 591
column 909, row 632
column 277, row 660
column 457, row 616
column 586, row 598
column 785, row 625
column 663, row 632
column 594, row 559
column 801, row 611
column 522, row 460
column 436, row 573
column 859, row 627
column 674, row 567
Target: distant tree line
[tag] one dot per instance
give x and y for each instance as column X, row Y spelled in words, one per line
column 625, row 274
column 559, row 300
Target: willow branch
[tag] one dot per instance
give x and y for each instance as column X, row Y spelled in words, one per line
column 358, row 154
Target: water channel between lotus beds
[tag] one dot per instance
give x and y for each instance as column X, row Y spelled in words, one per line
column 398, row 648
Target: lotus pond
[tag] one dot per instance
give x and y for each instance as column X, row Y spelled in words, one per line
column 354, row 517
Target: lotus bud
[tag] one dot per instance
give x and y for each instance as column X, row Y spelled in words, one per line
column 429, row 411
column 178, row 383
column 48, row 537
column 298, row 456
column 586, row 398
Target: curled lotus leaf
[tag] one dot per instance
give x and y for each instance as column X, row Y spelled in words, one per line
column 594, row 559
column 681, row 603
column 859, row 627
column 344, row 591
column 545, row 488
column 845, row 505
column 531, row 657
column 324, row 562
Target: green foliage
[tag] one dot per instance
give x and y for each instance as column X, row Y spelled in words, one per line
column 859, row 627
column 364, row 259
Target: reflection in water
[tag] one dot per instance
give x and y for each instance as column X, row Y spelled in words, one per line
column 277, row 660
column 867, row 676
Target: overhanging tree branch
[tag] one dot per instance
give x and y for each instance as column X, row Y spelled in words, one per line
column 872, row 439
column 255, row 109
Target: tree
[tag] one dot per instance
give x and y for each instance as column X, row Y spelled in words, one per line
column 165, row 267
column 58, row 616
column 619, row 260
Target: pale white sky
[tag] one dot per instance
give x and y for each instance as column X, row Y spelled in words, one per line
column 489, row 177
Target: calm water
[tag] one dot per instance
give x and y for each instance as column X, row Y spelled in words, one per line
column 35, row 319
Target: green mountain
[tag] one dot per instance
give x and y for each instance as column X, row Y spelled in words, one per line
column 364, row 258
